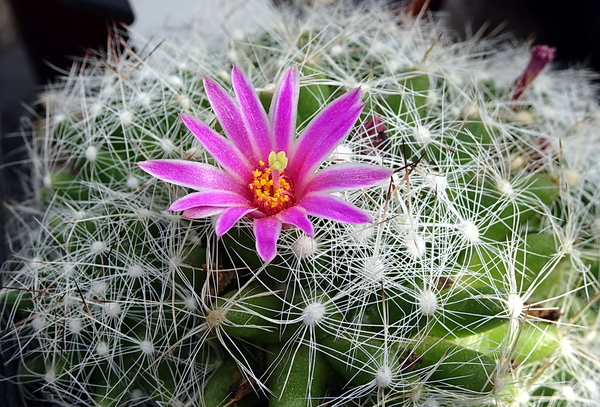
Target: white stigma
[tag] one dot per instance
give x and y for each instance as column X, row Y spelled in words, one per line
column 224, row 75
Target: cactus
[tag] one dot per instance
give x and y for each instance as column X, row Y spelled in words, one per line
column 472, row 278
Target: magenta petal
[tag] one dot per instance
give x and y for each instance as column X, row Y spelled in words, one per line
column 329, row 207
column 229, row 217
column 229, row 115
column 284, row 108
column 267, row 232
column 202, row 212
column 253, row 114
column 342, row 177
column 220, row 148
column 296, row 215
column 324, row 133
column 209, row 198
column 190, row 174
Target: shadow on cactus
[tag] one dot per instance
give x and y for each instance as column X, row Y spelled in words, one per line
column 435, row 244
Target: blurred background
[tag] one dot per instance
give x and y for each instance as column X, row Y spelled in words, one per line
column 40, row 39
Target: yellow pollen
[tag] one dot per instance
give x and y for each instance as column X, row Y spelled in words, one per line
column 272, row 189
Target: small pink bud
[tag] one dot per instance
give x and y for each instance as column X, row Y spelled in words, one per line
column 416, row 7
column 374, row 131
column 541, row 56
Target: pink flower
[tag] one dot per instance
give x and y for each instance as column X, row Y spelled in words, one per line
column 265, row 173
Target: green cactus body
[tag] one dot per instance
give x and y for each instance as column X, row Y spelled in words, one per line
column 300, row 377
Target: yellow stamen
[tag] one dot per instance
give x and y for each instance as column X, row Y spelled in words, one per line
column 271, row 187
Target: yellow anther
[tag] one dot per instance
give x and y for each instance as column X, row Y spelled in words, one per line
column 271, row 187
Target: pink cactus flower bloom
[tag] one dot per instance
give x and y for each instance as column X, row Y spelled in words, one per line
column 265, row 173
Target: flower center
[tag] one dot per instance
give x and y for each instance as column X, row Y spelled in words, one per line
column 272, row 188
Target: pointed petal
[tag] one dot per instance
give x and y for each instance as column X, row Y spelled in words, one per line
column 284, row 108
column 191, row 174
column 324, row 133
column 229, row 116
column 266, row 231
column 329, row 207
column 202, row 212
column 343, row 177
column 296, row 215
column 209, row 198
column 229, row 217
column 221, row 149
column 253, row 114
